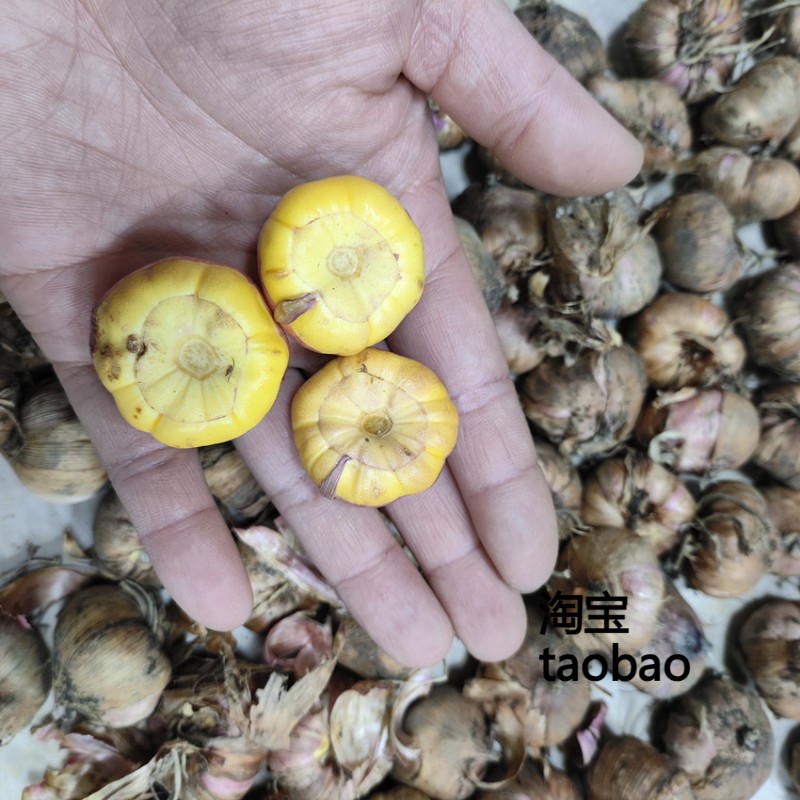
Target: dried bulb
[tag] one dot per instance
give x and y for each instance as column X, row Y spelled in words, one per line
column 549, row 710
column 232, row 483
column 653, row 112
column 108, row 662
column 516, row 327
column 117, row 547
column 587, row 407
column 451, row 734
column 679, row 633
column 770, row 640
column 733, row 542
column 696, row 235
column 767, row 309
column 778, row 451
column 783, row 509
column 753, row 188
column 617, row 561
column 342, row 752
column 58, row 461
column 602, row 257
column 685, row 43
column 686, row 340
column 24, row 674
column 763, row 106
column 719, row 733
column 567, row 36
column 637, row 493
column 699, row 430
column 627, row 767
column 509, row 221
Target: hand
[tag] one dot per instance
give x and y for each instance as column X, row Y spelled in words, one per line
column 137, row 129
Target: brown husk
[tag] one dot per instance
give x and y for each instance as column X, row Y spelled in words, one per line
column 590, row 406
column 685, row 43
column 778, row 451
column 770, row 640
column 733, row 542
column 719, row 733
column 627, row 767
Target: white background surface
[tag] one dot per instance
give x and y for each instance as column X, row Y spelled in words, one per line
column 26, row 521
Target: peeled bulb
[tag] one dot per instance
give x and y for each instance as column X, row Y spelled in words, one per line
column 373, row 427
column 341, row 263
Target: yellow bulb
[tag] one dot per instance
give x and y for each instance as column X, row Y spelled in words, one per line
column 189, row 351
column 341, row 263
column 373, row 427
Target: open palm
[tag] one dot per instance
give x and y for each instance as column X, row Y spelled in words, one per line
column 137, row 129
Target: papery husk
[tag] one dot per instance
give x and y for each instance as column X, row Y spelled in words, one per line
column 719, row 733
column 567, row 36
column 602, row 258
column 509, row 221
column 549, row 710
column 232, row 483
column 679, row 632
column 24, row 674
column 653, row 112
column 108, row 662
column 343, row 747
column 783, row 509
column 627, row 768
column 699, row 430
column 490, row 278
column 689, row 44
column 117, row 548
column 620, row 562
column 536, row 780
column 733, row 541
column 11, row 436
column 358, row 652
column 753, row 188
column 40, row 582
column 90, row 764
column 686, row 340
column 447, row 745
column 778, row 451
column 18, row 351
column 58, row 462
column 281, row 578
column 767, row 309
column 696, row 235
column 635, row 492
column 298, row 643
column 770, row 641
column 763, row 106
column 587, row 407
column 235, row 713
